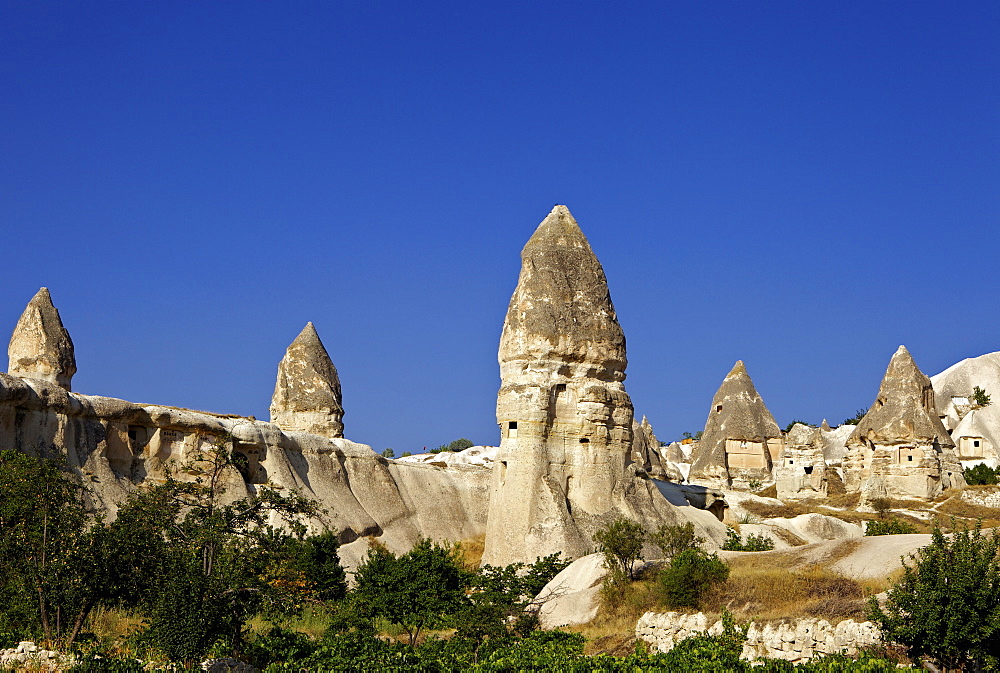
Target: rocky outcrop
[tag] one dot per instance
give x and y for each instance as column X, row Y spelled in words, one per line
column 741, row 440
column 797, row 641
column 900, row 448
column 646, row 452
column 307, row 396
column 564, row 466
column 40, row 346
column 801, row 469
column 114, row 446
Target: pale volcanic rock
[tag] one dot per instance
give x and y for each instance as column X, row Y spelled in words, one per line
column 801, row 470
column 307, row 395
column 741, row 439
column 646, row 452
column 40, row 346
column 900, row 448
column 564, row 466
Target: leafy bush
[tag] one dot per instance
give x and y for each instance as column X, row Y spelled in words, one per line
column 891, row 526
column 980, row 397
column 947, row 604
column 388, row 453
column 754, row 542
column 621, row 543
column 980, row 474
column 460, row 444
column 672, row 540
column 689, row 574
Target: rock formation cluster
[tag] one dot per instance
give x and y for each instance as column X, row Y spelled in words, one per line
column 800, row 471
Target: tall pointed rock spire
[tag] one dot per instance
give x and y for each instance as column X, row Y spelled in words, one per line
column 307, row 395
column 566, row 422
column 40, row 346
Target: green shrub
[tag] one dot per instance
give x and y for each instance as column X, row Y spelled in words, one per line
column 621, row 543
column 980, row 397
column 672, row 540
column 889, row 527
column 980, row 474
column 388, row 453
column 754, row 542
column 460, row 444
column 689, row 574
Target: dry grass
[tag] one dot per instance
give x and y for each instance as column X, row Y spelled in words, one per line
column 471, row 549
column 788, row 536
column 966, row 513
column 612, row 631
column 757, row 589
column 769, row 492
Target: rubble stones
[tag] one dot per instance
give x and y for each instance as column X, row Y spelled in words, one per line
column 795, row 642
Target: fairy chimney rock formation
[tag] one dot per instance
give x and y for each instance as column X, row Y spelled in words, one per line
column 40, row 347
column 901, row 448
column 741, row 440
column 801, row 470
column 307, row 394
column 566, row 422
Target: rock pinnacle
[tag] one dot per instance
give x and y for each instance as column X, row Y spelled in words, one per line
column 40, row 346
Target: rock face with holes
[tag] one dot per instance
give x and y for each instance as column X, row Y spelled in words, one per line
column 40, row 347
column 741, row 441
column 307, row 395
column 900, row 449
column 800, row 471
column 565, row 464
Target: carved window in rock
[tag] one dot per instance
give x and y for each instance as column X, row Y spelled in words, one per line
column 808, row 469
column 512, row 429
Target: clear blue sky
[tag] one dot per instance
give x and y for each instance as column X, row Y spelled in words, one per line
column 801, row 185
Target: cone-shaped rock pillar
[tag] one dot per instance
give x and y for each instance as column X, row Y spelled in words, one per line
column 307, row 394
column 564, row 416
column 40, row 347
column 901, row 448
column 741, row 439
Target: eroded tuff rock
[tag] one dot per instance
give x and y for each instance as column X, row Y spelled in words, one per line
column 40, row 346
column 646, row 452
column 800, row 471
column 307, row 395
column 900, row 448
column 564, row 466
column 741, row 440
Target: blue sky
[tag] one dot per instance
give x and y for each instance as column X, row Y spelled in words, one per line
column 801, row 185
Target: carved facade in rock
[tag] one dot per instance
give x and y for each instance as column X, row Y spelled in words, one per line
column 564, row 466
column 741, row 441
column 40, row 347
column 307, row 396
column 900, row 448
column 800, row 471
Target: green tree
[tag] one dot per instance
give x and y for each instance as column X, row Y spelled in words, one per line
column 947, row 604
column 980, row 397
column 421, row 589
column 689, row 575
column 621, row 543
column 460, row 444
column 858, row 415
column 672, row 540
column 980, row 474
column 223, row 561
column 388, row 453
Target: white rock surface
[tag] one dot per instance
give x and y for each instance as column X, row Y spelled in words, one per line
column 572, row 596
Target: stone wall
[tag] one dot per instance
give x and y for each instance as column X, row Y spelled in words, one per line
column 797, row 641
